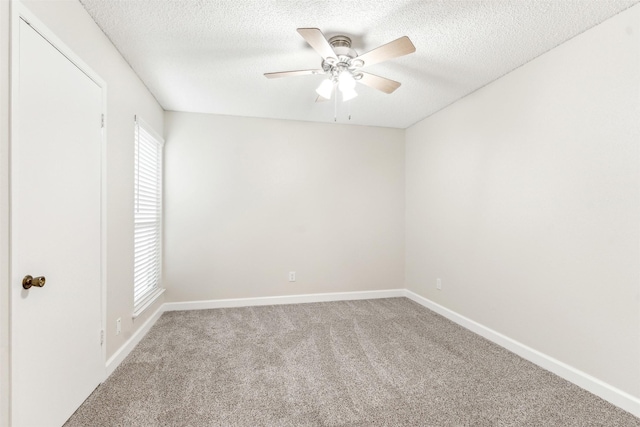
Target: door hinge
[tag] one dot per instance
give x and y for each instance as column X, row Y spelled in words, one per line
column 102, row 121
column 102, row 337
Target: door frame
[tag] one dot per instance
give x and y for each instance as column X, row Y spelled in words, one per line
column 5, row 58
column 20, row 12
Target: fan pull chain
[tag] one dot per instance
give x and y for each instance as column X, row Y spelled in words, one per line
column 335, row 104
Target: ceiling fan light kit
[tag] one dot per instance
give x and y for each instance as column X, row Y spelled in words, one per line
column 343, row 70
column 325, row 89
column 342, row 65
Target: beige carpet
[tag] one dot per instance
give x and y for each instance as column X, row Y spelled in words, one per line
column 385, row 362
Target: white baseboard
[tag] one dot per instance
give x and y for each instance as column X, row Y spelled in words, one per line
column 117, row 358
column 606, row 391
column 279, row 300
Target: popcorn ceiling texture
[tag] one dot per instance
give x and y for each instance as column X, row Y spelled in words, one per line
column 210, row 56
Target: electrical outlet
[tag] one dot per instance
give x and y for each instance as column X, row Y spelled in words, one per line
column 438, row 284
column 292, row 276
column 118, row 325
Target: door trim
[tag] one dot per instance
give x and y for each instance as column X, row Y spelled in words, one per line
column 20, row 12
column 5, row 64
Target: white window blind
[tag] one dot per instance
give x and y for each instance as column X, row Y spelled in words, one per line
column 147, row 214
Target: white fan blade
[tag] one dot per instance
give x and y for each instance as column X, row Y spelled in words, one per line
column 381, row 83
column 292, row 73
column 318, row 41
column 394, row 49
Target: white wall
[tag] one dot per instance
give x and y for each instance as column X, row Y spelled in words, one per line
column 248, row 200
column 126, row 97
column 524, row 198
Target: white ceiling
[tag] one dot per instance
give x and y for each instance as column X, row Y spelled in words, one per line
column 209, row 56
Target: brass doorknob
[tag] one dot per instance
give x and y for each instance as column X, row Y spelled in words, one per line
column 29, row 281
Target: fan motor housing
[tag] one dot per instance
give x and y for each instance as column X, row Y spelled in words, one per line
column 340, row 41
column 342, row 46
column 345, row 56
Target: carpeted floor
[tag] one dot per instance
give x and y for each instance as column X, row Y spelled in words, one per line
column 384, row 362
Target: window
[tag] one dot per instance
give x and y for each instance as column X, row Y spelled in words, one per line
column 147, row 216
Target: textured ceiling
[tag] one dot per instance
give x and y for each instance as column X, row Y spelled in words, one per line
column 209, row 56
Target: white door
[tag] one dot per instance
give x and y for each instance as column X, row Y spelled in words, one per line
column 56, row 353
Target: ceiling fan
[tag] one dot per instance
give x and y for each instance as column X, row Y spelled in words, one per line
column 343, row 66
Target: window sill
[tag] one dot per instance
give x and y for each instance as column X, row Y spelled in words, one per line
column 147, row 302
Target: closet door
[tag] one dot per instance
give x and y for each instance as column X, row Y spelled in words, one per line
column 56, row 348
